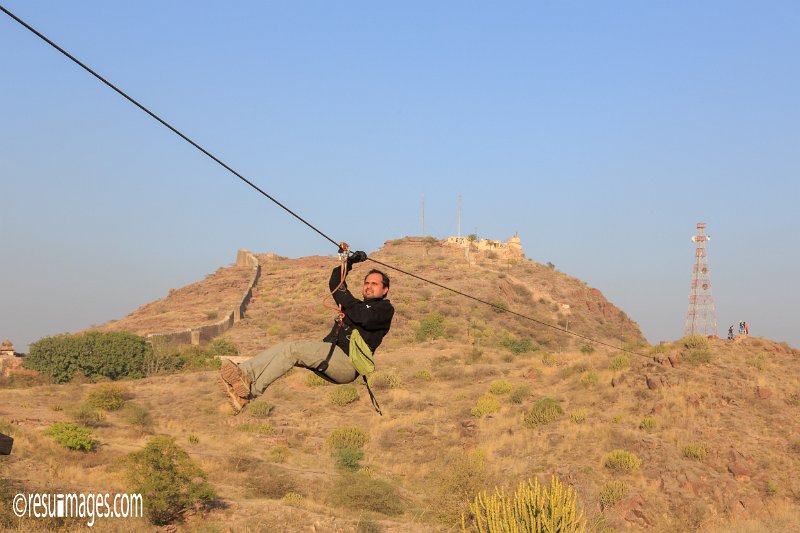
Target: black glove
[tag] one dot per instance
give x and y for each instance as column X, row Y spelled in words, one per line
column 357, row 257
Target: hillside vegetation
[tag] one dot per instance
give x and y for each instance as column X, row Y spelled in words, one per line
column 693, row 435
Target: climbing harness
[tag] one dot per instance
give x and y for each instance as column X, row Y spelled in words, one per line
column 361, row 357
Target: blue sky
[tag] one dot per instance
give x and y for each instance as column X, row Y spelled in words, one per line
column 600, row 132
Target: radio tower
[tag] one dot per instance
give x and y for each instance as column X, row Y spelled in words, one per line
column 701, row 319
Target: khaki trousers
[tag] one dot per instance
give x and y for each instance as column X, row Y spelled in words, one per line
column 271, row 364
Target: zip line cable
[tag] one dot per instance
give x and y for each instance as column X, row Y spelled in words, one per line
column 162, row 121
column 279, row 204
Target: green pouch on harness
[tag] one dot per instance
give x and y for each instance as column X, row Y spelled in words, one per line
column 360, row 354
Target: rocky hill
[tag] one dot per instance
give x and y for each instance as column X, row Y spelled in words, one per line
column 287, row 301
column 695, row 435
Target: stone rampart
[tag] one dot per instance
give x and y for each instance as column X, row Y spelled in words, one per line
column 205, row 333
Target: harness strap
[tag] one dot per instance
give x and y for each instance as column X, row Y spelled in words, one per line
column 372, row 396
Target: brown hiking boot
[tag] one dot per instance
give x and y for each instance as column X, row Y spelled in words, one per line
column 234, row 385
column 237, row 402
column 235, row 378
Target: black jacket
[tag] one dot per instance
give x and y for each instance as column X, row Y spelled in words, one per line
column 372, row 317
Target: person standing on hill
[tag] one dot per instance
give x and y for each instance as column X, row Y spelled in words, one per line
column 328, row 358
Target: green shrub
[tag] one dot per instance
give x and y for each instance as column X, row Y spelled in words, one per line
column 423, row 375
column 347, row 437
column 589, row 378
column 279, row 454
column 87, row 415
column 544, row 411
column 222, row 346
column 612, row 493
column 518, row 345
column 431, row 327
column 697, row 357
column 259, row 409
column 343, row 395
column 313, row 380
column 72, row 436
column 578, row 415
column 212, row 315
column 292, row 498
column 695, row 342
column 548, row 359
column 348, row 458
column 361, row 493
column 648, row 423
column 619, row 362
column 500, row 387
column 258, row 429
column 520, row 394
column 384, row 380
column 108, row 396
column 193, row 439
column 138, row 416
column 587, row 348
column 622, row 462
column 485, row 405
column 168, row 480
column 113, row 355
column 695, row 450
column 795, row 446
column 530, row 508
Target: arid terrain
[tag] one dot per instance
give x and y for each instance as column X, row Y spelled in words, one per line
column 713, row 423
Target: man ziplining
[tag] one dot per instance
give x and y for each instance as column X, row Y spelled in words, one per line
column 359, row 328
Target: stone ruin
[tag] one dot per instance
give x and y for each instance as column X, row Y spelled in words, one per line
column 511, row 249
column 10, row 361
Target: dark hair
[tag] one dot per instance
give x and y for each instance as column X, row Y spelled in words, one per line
column 385, row 279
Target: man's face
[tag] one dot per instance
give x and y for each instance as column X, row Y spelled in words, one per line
column 373, row 286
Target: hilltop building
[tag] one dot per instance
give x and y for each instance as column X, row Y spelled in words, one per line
column 7, row 349
column 9, row 359
column 511, row 249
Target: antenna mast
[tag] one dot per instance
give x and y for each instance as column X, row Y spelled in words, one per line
column 701, row 318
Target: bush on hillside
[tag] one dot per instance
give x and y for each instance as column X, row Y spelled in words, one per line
column 463, row 476
column 166, row 358
column 222, row 346
column 520, row 394
column 485, row 405
column 622, row 462
column 343, row 395
column 108, row 397
column 112, row 355
column 543, row 412
column 168, row 480
column 612, row 493
column 87, row 415
column 619, row 362
column 72, row 436
column 518, row 345
column 531, row 508
column 362, row 493
column 694, row 342
column 500, row 386
column 431, row 327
